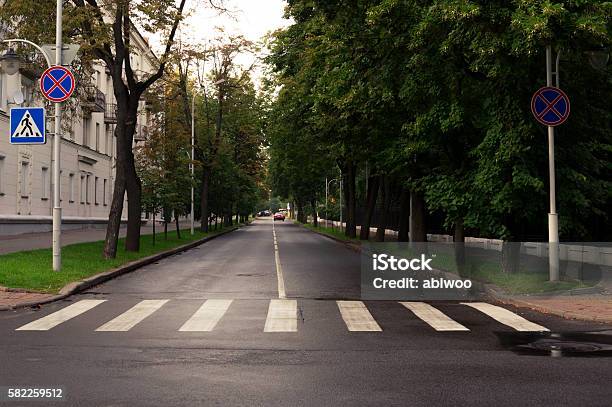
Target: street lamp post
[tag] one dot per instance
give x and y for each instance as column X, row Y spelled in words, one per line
column 57, row 139
column 341, row 225
column 598, row 59
column 10, row 62
column 553, row 218
column 191, row 164
column 327, row 184
column 326, row 193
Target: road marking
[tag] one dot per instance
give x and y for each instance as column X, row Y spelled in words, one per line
column 506, row 317
column 207, row 316
column 279, row 269
column 357, row 317
column 282, row 316
column 63, row 315
column 133, row 316
column 434, row 317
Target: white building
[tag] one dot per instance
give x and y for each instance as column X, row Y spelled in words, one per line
column 88, row 151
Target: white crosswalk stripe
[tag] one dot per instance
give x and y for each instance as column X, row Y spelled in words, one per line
column 207, row 316
column 133, row 316
column 357, row 317
column 434, row 317
column 282, row 316
column 506, row 317
column 63, row 315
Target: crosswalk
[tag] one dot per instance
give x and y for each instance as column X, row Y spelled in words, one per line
column 282, row 316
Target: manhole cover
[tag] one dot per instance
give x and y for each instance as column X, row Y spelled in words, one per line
column 556, row 344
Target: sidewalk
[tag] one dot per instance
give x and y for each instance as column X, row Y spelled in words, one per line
column 33, row 241
column 587, row 308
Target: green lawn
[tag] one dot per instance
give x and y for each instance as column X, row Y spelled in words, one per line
column 335, row 232
column 485, row 271
column 31, row 270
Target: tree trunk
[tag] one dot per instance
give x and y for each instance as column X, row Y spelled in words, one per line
column 165, row 228
column 404, row 217
column 386, row 200
column 459, row 239
column 114, row 215
column 349, row 199
column 134, row 194
column 459, row 235
column 301, row 215
column 204, row 198
column 418, row 215
column 132, row 181
column 178, row 228
column 153, row 228
column 371, row 197
column 116, row 209
column 315, row 220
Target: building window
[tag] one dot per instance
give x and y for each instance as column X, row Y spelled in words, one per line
column 45, row 183
column 82, row 189
column 25, row 168
column 87, row 183
column 1, row 167
column 86, row 126
column 107, row 137
column 71, row 187
column 96, row 191
column 104, row 192
column 97, row 136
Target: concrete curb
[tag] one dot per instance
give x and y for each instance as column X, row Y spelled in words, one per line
column 493, row 293
column 79, row 286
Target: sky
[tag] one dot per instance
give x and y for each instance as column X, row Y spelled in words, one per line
column 251, row 18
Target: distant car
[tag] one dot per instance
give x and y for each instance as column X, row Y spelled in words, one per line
column 279, row 216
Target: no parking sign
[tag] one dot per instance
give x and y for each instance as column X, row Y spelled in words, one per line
column 550, row 106
column 57, row 84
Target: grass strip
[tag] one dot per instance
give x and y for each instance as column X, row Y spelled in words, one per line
column 31, row 270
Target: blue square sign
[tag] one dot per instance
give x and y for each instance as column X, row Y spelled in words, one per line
column 28, row 125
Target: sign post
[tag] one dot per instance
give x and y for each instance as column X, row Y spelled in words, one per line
column 551, row 107
column 57, row 84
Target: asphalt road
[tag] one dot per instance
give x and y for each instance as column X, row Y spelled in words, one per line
column 241, row 360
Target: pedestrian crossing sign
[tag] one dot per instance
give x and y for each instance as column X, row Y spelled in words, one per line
column 28, row 125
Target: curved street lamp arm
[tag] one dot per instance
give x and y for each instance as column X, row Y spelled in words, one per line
column 42, row 51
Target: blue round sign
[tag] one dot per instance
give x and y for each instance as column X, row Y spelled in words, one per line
column 57, row 84
column 550, row 106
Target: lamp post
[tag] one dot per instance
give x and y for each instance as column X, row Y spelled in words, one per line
column 57, row 206
column 553, row 217
column 327, row 184
column 598, row 59
column 191, row 164
column 10, row 61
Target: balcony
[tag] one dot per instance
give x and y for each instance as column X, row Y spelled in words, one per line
column 93, row 101
column 110, row 114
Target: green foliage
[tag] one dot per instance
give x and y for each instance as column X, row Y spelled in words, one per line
column 437, row 96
